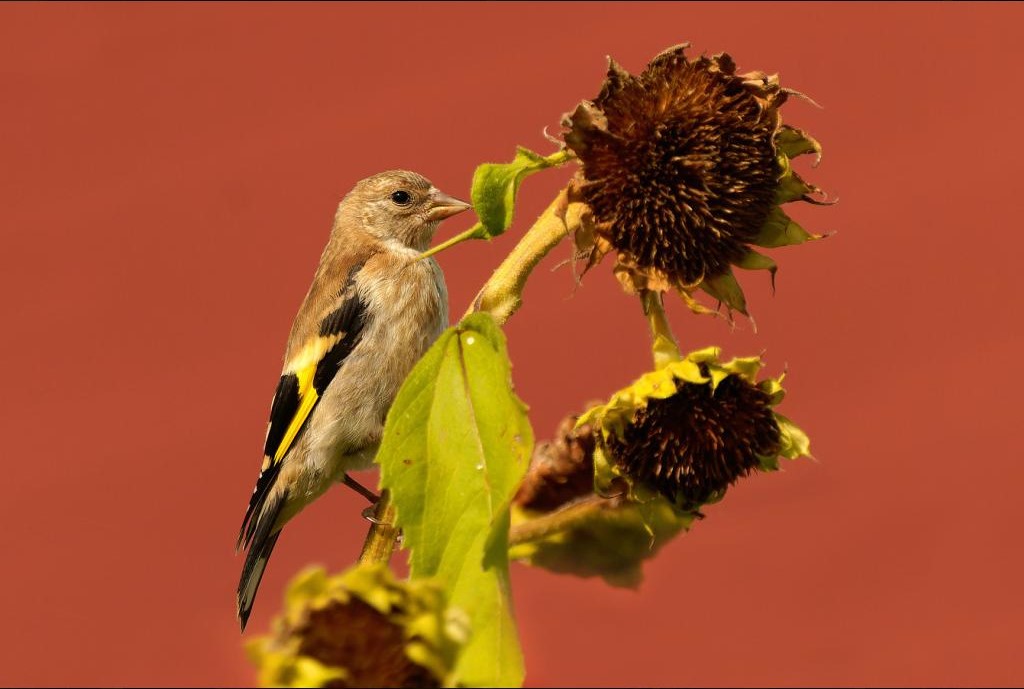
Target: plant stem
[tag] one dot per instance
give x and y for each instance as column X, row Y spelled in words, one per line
column 383, row 535
column 559, row 520
column 502, row 294
column 664, row 346
column 461, row 237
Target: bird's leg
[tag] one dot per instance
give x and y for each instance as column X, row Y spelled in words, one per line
column 361, row 489
column 368, row 511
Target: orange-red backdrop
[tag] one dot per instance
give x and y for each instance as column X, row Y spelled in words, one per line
column 169, row 176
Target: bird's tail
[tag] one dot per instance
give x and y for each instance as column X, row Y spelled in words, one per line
column 264, row 538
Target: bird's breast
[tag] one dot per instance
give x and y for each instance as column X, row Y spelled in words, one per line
column 407, row 308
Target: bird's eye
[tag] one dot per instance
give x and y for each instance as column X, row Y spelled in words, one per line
column 401, row 197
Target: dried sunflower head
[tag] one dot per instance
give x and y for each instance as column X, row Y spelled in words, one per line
column 561, row 470
column 695, row 426
column 684, row 167
column 361, row 628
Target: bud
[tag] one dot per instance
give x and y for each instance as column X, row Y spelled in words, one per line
column 561, row 470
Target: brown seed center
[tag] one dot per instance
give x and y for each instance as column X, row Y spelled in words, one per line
column 693, row 445
column 684, row 174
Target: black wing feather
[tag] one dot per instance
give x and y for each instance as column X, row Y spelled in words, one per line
column 348, row 320
column 282, row 411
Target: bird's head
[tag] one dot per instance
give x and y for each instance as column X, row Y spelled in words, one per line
column 398, row 205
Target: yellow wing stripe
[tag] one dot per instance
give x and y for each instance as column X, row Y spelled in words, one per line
column 309, row 356
column 307, row 400
column 303, row 366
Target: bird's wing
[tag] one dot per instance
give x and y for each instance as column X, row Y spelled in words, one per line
column 306, row 375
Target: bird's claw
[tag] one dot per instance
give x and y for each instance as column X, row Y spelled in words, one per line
column 368, row 515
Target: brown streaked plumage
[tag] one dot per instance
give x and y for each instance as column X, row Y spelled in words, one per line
column 371, row 312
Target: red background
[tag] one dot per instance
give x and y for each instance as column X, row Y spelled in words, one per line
column 168, row 180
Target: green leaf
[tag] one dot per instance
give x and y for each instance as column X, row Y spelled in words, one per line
column 495, row 186
column 456, row 444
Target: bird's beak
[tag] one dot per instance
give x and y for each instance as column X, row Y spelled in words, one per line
column 443, row 206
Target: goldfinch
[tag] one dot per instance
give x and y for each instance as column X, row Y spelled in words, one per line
column 372, row 311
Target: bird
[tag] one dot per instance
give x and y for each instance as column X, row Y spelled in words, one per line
column 373, row 309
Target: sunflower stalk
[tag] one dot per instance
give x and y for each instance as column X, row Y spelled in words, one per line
column 663, row 346
column 383, row 535
column 502, row 294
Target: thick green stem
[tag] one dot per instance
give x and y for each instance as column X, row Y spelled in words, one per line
column 502, row 295
column 383, row 535
column 664, row 346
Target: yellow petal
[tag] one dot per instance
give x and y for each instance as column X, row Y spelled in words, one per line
column 746, row 367
column 694, row 305
column 708, row 354
column 307, row 585
column 794, row 442
column 773, row 388
column 688, row 370
column 717, row 376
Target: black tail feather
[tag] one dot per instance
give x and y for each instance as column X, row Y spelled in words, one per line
column 264, row 538
column 259, row 497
